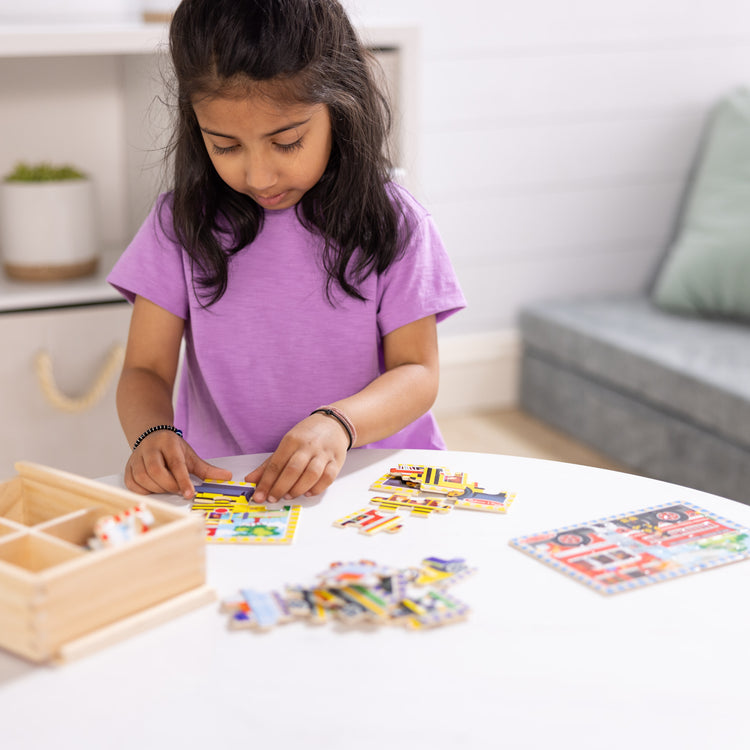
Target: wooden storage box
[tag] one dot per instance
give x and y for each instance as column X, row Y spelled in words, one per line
column 58, row 598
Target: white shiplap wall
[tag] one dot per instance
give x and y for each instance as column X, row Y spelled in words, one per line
column 554, row 141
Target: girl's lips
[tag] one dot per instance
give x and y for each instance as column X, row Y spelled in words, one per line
column 271, row 200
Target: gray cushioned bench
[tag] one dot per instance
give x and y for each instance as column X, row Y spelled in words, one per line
column 666, row 395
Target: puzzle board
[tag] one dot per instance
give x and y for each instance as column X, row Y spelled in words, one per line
column 230, row 517
column 626, row 551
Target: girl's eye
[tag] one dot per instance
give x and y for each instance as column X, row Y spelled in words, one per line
column 219, row 150
column 287, row 147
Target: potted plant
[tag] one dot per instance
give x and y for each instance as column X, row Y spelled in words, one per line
column 47, row 228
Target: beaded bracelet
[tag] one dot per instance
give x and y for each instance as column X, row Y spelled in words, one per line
column 156, row 428
column 343, row 420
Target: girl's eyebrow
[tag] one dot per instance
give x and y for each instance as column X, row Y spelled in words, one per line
column 282, row 129
column 291, row 126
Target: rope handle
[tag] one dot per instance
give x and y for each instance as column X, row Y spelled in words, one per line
column 46, row 377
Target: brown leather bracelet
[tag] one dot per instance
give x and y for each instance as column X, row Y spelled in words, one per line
column 342, row 419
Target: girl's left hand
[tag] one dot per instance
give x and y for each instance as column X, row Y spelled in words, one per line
column 308, row 459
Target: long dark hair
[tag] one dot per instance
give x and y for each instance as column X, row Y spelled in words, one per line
column 310, row 48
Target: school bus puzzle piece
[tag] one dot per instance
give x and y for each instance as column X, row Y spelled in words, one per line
column 224, row 488
column 438, row 480
column 395, row 484
column 477, row 498
column 434, row 480
column 419, row 506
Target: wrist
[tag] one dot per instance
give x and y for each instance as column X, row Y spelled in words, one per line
column 153, row 429
column 342, row 419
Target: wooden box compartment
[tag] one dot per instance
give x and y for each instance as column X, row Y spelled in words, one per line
column 58, row 598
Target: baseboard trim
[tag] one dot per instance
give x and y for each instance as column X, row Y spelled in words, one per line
column 479, row 371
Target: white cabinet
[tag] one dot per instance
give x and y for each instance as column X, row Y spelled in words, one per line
column 50, row 409
column 92, row 96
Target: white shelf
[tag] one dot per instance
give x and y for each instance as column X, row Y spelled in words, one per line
column 55, row 40
column 22, row 40
column 59, row 80
column 18, row 296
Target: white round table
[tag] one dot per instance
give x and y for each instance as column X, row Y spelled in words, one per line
column 542, row 661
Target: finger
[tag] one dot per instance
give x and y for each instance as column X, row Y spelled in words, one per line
column 310, row 477
column 255, row 475
column 206, row 471
column 325, row 480
column 146, row 475
column 181, row 476
column 171, row 469
column 211, row 471
column 302, row 470
column 132, row 484
column 155, row 475
column 269, row 484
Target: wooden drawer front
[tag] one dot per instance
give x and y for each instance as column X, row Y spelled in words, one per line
column 79, row 342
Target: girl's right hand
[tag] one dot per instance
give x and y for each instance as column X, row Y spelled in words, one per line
column 163, row 462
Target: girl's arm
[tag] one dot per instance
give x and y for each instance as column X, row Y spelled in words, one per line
column 163, row 461
column 311, row 454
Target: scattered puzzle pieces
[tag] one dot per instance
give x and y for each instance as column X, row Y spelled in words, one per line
column 458, row 492
column 359, row 592
column 424, row 491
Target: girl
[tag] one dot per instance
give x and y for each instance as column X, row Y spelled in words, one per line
column 305, row 285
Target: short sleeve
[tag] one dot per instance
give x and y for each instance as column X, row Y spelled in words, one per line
column 152, row 259
column 420, row 282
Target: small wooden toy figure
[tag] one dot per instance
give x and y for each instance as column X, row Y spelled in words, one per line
column 113, row 530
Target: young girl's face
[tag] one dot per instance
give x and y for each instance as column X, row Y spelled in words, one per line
column 270, row 151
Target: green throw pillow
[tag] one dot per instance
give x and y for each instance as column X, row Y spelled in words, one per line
column 707, row 270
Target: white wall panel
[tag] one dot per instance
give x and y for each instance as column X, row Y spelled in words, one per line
column 555, row 155
column 478, row 25
column 580, row 85
column 556, row 138
column 501, row 227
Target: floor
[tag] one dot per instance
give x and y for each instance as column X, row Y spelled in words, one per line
column 516, row 433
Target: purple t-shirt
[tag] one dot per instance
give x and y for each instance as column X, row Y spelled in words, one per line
column 273, row 348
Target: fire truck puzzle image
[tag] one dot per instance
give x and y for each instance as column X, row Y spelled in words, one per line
column 623, row 552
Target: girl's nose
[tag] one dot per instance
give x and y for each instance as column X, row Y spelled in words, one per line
column 260, row 175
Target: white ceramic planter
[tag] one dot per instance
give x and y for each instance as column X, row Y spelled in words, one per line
column 47, row 229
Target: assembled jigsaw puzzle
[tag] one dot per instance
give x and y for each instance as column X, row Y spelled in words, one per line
column 630, row 550
column 359, row 592
column 231, row 518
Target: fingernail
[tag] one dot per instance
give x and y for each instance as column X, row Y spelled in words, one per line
column 272, row 499
column 258, row 497
column 287, row 498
